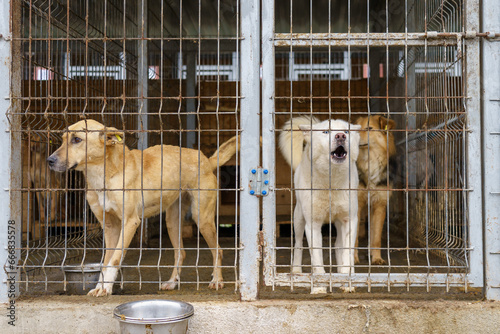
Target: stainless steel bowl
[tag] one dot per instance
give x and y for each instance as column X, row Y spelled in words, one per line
column 154, row 316
column 81, row 278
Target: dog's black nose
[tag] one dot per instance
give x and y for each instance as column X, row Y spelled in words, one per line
column 51, row 160
column 340, row 136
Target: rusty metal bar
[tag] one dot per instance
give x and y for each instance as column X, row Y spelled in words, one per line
column 11, row 209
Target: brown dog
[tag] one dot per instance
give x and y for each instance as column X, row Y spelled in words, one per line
column 375, row 148
column 41, row 177
column 115, row 176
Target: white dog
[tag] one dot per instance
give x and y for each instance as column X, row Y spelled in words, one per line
column 327, row 161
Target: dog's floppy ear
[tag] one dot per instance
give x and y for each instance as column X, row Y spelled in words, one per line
column 306, row 132
column 112, row 136
column 386, row 124
column 354, row 141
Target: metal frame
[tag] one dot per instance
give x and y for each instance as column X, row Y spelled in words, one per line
column 129, row 102
column 474, row 161
column 481, row 146
column 250, row 153
column 10, row 209
column 490, row 148
column 268, row 140
column 469, row 40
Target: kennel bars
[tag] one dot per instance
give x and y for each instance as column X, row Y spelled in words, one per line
column 465, row 42
column 251, row 243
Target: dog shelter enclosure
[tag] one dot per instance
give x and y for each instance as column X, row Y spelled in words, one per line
column 196, row 73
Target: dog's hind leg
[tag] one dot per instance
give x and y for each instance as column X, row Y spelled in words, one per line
column 174, row 227
column 298, row 227
column 362, row 201
column 203, row 211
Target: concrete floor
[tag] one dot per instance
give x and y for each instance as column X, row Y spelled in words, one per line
column 76, row 314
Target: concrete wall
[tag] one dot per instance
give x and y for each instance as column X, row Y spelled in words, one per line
column 88, row 315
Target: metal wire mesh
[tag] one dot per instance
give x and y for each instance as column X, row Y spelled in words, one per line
column 376, row 60
column 169, row 73
column 160, row 72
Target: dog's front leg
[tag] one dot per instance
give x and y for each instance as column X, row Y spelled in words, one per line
column 112, row 227
column 315, row 242
column 344, row 244
column 111, row 272
column 346, row 239
column 313, row 234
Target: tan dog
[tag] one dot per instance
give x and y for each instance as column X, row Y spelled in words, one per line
column 41, row 177
column 99, row 152
column 373, row 175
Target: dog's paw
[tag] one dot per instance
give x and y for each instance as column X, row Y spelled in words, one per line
column 316, row 290
column 356, row 258
column 378, row 261
column 169, row 285
column 297, row 270
column 216, row 284
column 348, row 289
column 99, row 292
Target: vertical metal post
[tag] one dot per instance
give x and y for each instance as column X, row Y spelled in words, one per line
column 142, row 93
column 411, row 92
column 191, row 103
column 491, row 148
column 10, row 173
column 142, row 74
column 249, row 119
column 474, row 149
column 268, row 137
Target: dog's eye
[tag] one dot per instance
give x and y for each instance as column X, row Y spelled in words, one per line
column 76, row 140
column 346, row 132
column 370, row 128
column 325, row 132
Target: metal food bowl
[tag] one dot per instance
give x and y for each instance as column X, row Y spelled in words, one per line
column 81, row 278
column 154, row 316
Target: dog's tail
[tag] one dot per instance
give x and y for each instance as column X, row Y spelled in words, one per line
column 291, row 139
column 225, row 152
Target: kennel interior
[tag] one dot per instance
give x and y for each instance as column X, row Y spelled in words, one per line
column 346, row 60
column 170, row 72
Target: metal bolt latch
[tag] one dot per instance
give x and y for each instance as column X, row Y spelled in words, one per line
column 258, row 181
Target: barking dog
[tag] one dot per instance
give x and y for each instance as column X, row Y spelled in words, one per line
column 328, row 161
column 99, row 152
column 375, row 148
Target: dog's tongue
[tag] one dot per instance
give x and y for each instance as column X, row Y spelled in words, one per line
column 339, row 152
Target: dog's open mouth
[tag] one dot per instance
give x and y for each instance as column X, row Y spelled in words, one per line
column 339, row 154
